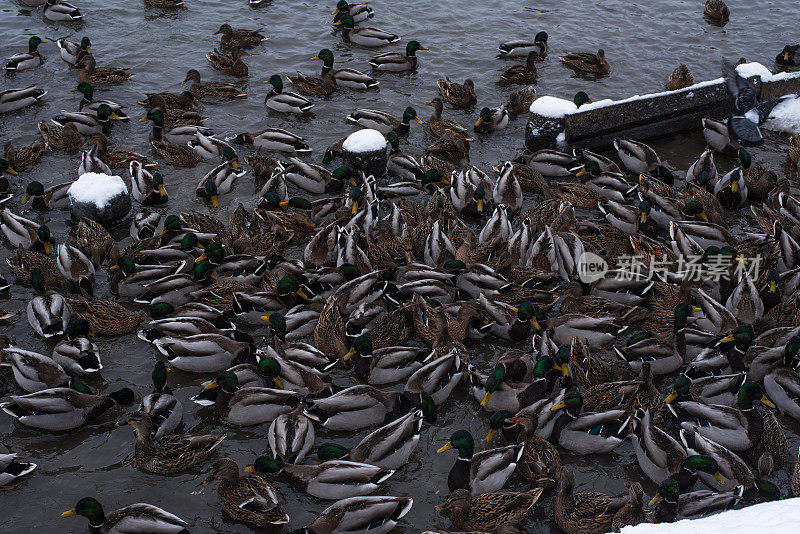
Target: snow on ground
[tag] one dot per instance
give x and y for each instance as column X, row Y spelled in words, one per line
column 776, row 517
column 550, row 106
column 96, row 188
column 785, row 117
column 366, row 140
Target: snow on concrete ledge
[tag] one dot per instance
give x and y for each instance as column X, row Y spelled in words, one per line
column 97, row 188
column 552, row 107
column 777, row 517
column 366, row 140
column 785, row 117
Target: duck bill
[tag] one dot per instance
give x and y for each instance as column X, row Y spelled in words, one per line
column 479, row 121
column 446, row 447
column 69, row 513
column 350, row 354
column 48, row 248
column 558, row 406
column 719, row 478
column 704, row 216
column 235, row 164
column 655, row 499
column 143, row 119
column 265, row 318
column 424, row 48
column 485, row 399
column 766, row 402
column 73, row 90
column 671, row 397
column 11, row 171
column 250, row 469
column 211, row 385
column 214, row 201
column 208, row 481
column 536, row 324
column 490, row 435
column 278, row 382
column 314, row 58
column 28, row 197
column 480, row 205
column 115, row 116
column 581, row 172
column 727, row 339
column 642, row 217
column 418, row 120
column 200, row 258
column 443, row 507
column 354, row 209
column 300, row 293
column 735, row 187
column 335, row 11
column 337, row 23
column 162, row 191
column 773, row 286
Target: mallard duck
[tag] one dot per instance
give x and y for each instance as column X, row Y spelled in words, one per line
column 790, row 55
column 452, row 147
column 540, row 463
column 290, row 436
column 367, row 37
column 718, row 137
column 91, row 162
column 33, row 371
column 521, row 74
column 147, row 189
column 116, row 159
column 314, row 178
column 63, row 408
column 231, row 64
column 401, row 165
column 491, row 120
column 14, row 99
column 522, row 47
column 550, row 163
column 711, row 455
column 362, row 514
column 164, row 4
column 676, row 505
column 26, row 60
column 249, row 405
column 168, row 454
column 716, row 11
column 731, row 189
column 397, row 62
column 178, row 133
column 219, row 181
column 680, row 78
column 179, row 155
column 440, row 126
column 72, row 52
column 584, row 512
column 77, row 354
column 94, row 75
column 333, row 480
column 183, row 101
column 359, row 12
column 21, row 157
column 273, row 139
column 632, row 513
column 488, row 511
column 247, row 498
column 11, row 469
column 637, row 157
column 337, row 411
column 479, row 473
column 75, row 266
column 661, row 456
column 344, row 77
column 460, row 96
column 239, row 38
column 283, row 102
column 164, row 410
column 106, row 317
column 520, row 101
column 88, row 103
column 212, row 89
column 139, row 517
column 587, row 62
column 384, row 122
column 60, row 11
column 324, row 85
column 716, row 389
column 48, row 314
column 88, row 123
column 60, row 137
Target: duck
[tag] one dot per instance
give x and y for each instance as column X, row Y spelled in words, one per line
column 230, row 64
column 638, row 157
column 116, row 159
column 716, row 11
column 60, row 137
column 176, row 134
column 540, row 463
column 440, row 126
column 376, row 513
column 76, row 267
column 460, row 96
column 449, row 146
column 211, row 89
column 587, row 62
column 250, row 405
column 14, row 99
column 362, row 36
column 488, row 511
column 274, row 139
column 659, row 454
column 73, row 52
column 584, row 512
column 33, row 371
column 491, row 120
column 106, row 317
column 676, row 505
column 278, row 100
column 139, row 517
column 322, row 86
column 523, row 47
column 219, row 181
column 703, row 171
column 680, row 78
column 731, row 189
column 239, row 38
column 60, row 11
column 484, row 472
column 718, row 137
column 169, row 454
column 248, row 498
column 89, row 104
column 290, row 436
column 88, row 123
column 331, row 480
column 146, row 188
column 550, row 163
column 63, row 408
column 790, row 55
column 161, row 406
column 11, row 469
column 397, row 62
column 401, row 165
column 179, row 155
column 359, row 12
column 337, row 412
column 19, row 158
column 632, row 513
column 384, row 122
column 350, row 78
column 520, row 101
column 94, row 75
column 521, row 74
column 26, row 60
column 47, row 312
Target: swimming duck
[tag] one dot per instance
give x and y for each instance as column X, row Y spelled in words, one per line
column 487, row 511
column 397, row 62
column 106, row 317
column 283, row 102
column 26, row 60
column 359, row 12
column 164, row 410
column 718, row 137
column 483, row 472
column 587, row 62
column 60, row 11
column 250, row 405
column 290, row 436
column 676, row 505
column 89, row 104
column 707, row 455
column 337, row 411
column 239, row 38
column 637, row 157
column 384, row 122
column 449, row 146
column 460, row 96
column 231, row 64
column 440, row 126
column 584, row 512
column 344, row 77
column 14, row 99
column 60, row 137
column 94, row 75
column 88, row 123
column 367, row 37
column 72, row 52
column 179, row 155
column 401, row 165
column 247, row 498
column 212, row 89
column 33, row 371
column 75, row 266
column 731, row 189
column 139, row 517
column 11, row 469
column 716, row 11
column 116, row 159
column 20, row 158
column 147, row 189
column 376, row 513
column 520, row 101
column 491, row 120
column 680, row 78
column 169, row 454
column 521, row 74
column 523, row 47
column 790, row 55
column 324, row 85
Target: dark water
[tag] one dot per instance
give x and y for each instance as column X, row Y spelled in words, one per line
column 643, row 41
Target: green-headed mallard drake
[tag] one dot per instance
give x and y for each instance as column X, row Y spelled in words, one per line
column 322, row 86
column 680, row 78
column 360, row 514
column 675, row 505
column 386, row 364
column 483, row 472
column 731, row 189
column 33, row 371
column 63, row 408
column 362, row 36
column 491, row 120
column 212, row 89
column 247, row 498
column 76, row 354
column 278, row 100
column 94, row 75
column 60, row 137
column 520, row 101
column 179, row 155
column 11, row 469
column 273, row 139
column 170, row 454
column 116, row 159
column 90, row 122
column 26, row 60
column 20, row 158
column 76, row 267
column 359, row 12
column 397, row 62
column 587, row 62
column 400, row 165
column 239, row 38
column 344, row 77
column 488, row 511
column 790, row 55
column 332, row 480
column 89, row 104
column 353, row 408
column 460, row 96
column 230, row 64
column 165, row 411
column 136, row 518
column 584, row 512
column 72, row 52
column 384, row 122
column 521, row 74
column 550, row 163
column 716, row 389
column 146, row 188
column 25, row 234
column 523, row 47
column 579, row 432
column 249, row 405
column 661, row 456
column 703, row 171
column 716, row 11
column 707, row 455
column 14, row 99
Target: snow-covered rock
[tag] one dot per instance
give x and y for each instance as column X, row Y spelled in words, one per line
column 101, row 197
column 365, row 150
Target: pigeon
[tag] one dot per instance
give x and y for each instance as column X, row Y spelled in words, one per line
column 748, row 112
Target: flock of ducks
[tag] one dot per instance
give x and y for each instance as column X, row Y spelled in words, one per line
column 396, row 290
